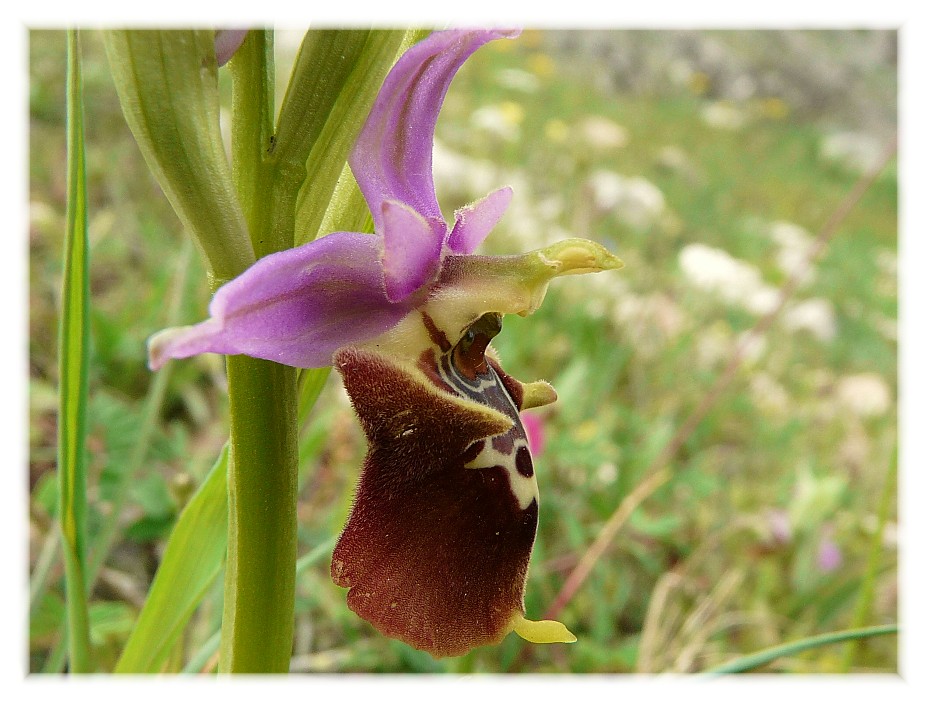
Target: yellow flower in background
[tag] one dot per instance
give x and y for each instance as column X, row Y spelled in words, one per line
column 699, row 82
column 556, row 130
column 774, row 108
column 541, row 64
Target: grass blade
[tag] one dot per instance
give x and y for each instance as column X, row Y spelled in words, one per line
column 73, row 362
column 755, row 660
column 207, row 651
column 873, row 561
column 192, row 561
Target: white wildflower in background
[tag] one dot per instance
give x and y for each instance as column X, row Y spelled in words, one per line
column 502, row 120
column 886, row 326
column 815, row 316
column 606, row 474
column 723, row 115
column 768, row 394
column 716, row 344
column 652, row 321
column 528, row 224
column 865, row 394
column 633, row 200
column 754, row 347
column 680, row 72
column 713, row 346
column 462, row 176
column 794, row 245
column 736, row 282
column 887, row 262
column 602, row 133
column 675, row 160
column 517, row 79
column 853, row 150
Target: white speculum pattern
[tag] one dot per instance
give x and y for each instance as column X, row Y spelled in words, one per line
column 488, row 389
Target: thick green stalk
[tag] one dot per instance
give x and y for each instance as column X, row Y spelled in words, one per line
column 252, row 135
column 260, row 575
column 74, row 344
column 260, row 580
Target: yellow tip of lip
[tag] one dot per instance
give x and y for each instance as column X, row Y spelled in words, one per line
column 544, row 631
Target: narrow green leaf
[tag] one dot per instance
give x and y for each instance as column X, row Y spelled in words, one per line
column 192, row 561
column 168, row 89
column 755, row 660
column 73, row 362
column 333, row 143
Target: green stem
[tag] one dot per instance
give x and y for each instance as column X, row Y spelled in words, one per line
column 257, row 627
column 260, row 575
column 755, row 660
column 252, row 132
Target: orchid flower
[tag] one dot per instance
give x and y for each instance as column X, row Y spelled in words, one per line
column 436, row 549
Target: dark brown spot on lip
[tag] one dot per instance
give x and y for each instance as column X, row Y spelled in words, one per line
column 473, row 451
column 523, row 462
column 437, row 336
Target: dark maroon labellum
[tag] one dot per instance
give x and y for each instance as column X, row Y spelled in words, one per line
column 436, row 548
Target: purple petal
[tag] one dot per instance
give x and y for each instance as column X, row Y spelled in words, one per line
column 475, row 221
column 227, row 42
column 412, row 249
column 392, row 157
column 295, row 307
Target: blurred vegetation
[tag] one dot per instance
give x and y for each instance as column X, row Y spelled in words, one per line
column 763, row 535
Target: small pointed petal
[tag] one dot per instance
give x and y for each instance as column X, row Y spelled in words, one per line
column 392, row 157
column 412, row 249
column 474, row 222
column 544, row 631
column 295, row 307
column 538, row 394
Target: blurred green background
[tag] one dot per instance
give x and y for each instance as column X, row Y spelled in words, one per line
column 709, row 161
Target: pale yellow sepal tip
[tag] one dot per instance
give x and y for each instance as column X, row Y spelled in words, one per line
column 537, row 394
column 545, row 631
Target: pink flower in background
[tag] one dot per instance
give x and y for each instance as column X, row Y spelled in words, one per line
column 829, row 555
column 536, row 434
